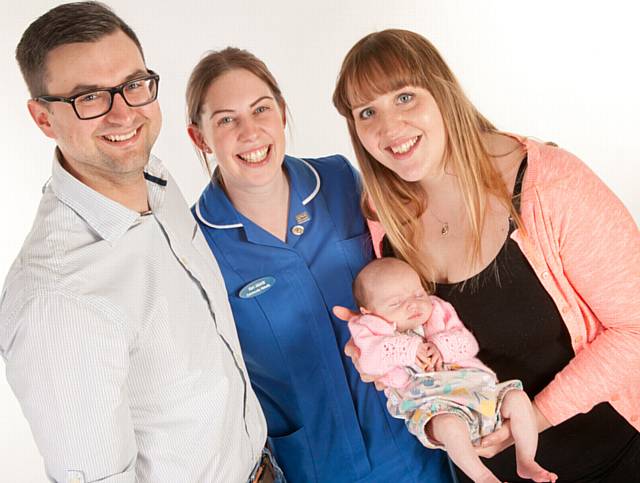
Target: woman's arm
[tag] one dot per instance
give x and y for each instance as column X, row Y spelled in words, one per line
column 598, row 247
column 502, row 438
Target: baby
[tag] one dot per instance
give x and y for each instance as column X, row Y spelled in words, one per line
column 404, row 332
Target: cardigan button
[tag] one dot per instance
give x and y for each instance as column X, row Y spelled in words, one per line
column 615, row 397
column 297, row 230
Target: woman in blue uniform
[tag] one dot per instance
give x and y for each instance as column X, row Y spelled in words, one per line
column 289, row 238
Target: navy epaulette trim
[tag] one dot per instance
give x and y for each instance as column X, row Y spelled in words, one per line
column 155, row 179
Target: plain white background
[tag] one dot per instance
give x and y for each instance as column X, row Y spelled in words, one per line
column 561, row 71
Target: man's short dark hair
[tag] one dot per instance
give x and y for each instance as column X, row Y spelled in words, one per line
column 64, row 24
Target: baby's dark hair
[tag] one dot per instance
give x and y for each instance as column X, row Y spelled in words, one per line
column 372, row 270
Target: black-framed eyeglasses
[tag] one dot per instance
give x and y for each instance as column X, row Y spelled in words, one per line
column 91, row 104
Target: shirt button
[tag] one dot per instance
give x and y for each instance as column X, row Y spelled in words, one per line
column 577, row 339
column 634, row 418
column 615, row 397
column 75, row 477
column 545, row 275
column 297, row 230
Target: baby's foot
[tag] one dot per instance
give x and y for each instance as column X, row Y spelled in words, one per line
column 533, row 471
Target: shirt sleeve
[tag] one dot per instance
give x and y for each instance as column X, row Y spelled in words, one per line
column 445, row 329
column 67, row 364
column 599, row 250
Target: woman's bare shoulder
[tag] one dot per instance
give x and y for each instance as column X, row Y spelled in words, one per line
column 506, row 152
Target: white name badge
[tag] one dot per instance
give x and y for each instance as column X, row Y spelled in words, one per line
column 257, row 287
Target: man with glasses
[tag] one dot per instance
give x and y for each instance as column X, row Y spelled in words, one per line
column 114, row 322
column 89, row 105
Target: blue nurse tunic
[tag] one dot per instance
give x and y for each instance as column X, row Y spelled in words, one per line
column 324, row 423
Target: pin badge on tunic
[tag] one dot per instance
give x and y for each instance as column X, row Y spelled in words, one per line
column 257, row 287
column 301, row 218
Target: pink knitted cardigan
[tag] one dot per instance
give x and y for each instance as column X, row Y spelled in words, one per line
column 385, row 352
column 584, row 246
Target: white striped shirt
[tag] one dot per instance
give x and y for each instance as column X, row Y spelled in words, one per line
column 120, row 344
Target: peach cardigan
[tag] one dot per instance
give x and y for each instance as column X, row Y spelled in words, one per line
column 585, row 249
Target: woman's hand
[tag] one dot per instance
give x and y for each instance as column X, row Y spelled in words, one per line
column 343, row 313
column 497, row 441
column 352, row 351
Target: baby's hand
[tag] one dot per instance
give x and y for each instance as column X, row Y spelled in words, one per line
column 428, row 357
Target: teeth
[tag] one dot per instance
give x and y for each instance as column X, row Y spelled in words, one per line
column 404, row 147
column 255, row 156
column 121, row 137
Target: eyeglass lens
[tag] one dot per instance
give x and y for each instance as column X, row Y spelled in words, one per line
column 136, row 93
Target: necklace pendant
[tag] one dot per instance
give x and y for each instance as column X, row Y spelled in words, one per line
column 445, row 229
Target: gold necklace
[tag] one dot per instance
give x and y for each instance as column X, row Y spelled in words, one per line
column 444, row 229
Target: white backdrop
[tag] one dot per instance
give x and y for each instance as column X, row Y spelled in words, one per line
column 562, row 71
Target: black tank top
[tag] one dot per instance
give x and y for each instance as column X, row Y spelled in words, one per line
column 521, row 335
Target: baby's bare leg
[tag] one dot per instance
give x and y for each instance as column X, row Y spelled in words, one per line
column 453, row 433
column 516, row 407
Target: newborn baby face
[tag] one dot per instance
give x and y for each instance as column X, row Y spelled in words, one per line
column 398, row 296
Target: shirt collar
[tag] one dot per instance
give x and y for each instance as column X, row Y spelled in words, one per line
column 108, row 218
column 214, row 209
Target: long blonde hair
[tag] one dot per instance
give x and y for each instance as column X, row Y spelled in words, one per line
column 389, row 60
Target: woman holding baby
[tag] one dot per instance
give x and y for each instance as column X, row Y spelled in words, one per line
column 508, row 231
column 515, row 235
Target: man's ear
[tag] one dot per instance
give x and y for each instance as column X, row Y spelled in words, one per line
column 197, row 139
column 41, row 116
